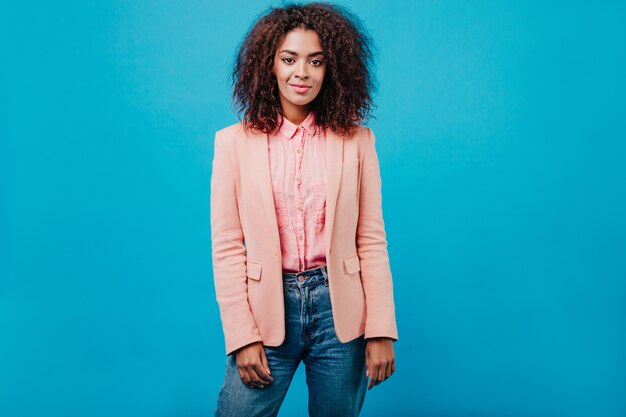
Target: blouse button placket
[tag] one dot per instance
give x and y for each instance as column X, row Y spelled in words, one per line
column 299, row 142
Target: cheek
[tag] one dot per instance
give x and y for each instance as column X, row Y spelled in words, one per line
column 283, row 78
column 278, row 73
column 321, row 77
column 320, row 83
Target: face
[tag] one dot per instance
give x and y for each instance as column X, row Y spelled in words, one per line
column 299, row 67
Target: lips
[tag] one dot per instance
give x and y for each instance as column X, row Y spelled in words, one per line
column 300, row 88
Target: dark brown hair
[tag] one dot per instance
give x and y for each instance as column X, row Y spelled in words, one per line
column 345, row 100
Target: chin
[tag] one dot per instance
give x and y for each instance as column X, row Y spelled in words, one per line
column 301, row 102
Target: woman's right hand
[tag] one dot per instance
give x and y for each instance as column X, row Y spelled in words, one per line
column 253, row 367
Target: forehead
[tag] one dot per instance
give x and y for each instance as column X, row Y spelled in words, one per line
column 302, row 41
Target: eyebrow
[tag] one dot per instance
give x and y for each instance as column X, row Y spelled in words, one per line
column 295, row 53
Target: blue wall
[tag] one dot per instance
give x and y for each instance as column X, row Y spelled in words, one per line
column 500, row 130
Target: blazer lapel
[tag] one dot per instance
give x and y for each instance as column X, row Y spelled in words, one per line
column 259, row 164
column 334, row 156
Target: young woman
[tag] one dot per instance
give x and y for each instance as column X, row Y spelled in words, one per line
column 299, row 248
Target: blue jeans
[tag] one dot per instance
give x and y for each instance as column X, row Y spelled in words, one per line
column 335, row 371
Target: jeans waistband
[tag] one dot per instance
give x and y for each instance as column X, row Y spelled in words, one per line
column 307, row 277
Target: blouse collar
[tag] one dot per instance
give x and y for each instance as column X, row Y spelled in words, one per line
column 289, row 129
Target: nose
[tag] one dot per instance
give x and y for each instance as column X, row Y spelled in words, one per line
column 301, row 70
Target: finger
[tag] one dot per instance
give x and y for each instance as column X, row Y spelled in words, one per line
column 255, row 380
column 261, row 374
column 388, row 370
column 373, row 376
column 381, row 374
column 246, row 378
column 266, row 367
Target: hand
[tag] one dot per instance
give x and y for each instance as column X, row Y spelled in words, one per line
column 380, row 360
column 253, row 367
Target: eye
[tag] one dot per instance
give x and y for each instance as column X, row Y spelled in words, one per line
column 287, row 59
column 317, row 62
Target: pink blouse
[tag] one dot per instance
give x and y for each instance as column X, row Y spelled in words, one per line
column 298, row 169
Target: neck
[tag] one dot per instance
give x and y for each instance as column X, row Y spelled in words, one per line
column 295, row 115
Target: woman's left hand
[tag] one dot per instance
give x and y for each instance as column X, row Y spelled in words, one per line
column 380, row 360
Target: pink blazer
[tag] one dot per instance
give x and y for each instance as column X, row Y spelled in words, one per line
column 246, row 253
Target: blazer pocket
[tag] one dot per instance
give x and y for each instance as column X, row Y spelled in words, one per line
column 253, row 269
column 352, row 264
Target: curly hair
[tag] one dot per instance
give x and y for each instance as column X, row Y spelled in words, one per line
column 345, row 99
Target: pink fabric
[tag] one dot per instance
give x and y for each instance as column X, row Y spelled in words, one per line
column 246, row 243
column 297, row 155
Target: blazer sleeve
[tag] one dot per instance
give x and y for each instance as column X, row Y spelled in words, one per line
column 228, row 252
column 372, row 250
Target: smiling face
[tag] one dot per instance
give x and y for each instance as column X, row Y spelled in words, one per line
column 299, row 68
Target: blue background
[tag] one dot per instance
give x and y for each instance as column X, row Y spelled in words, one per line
column 500, row 131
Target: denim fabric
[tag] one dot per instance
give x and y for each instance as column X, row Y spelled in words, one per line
column 335, row 371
